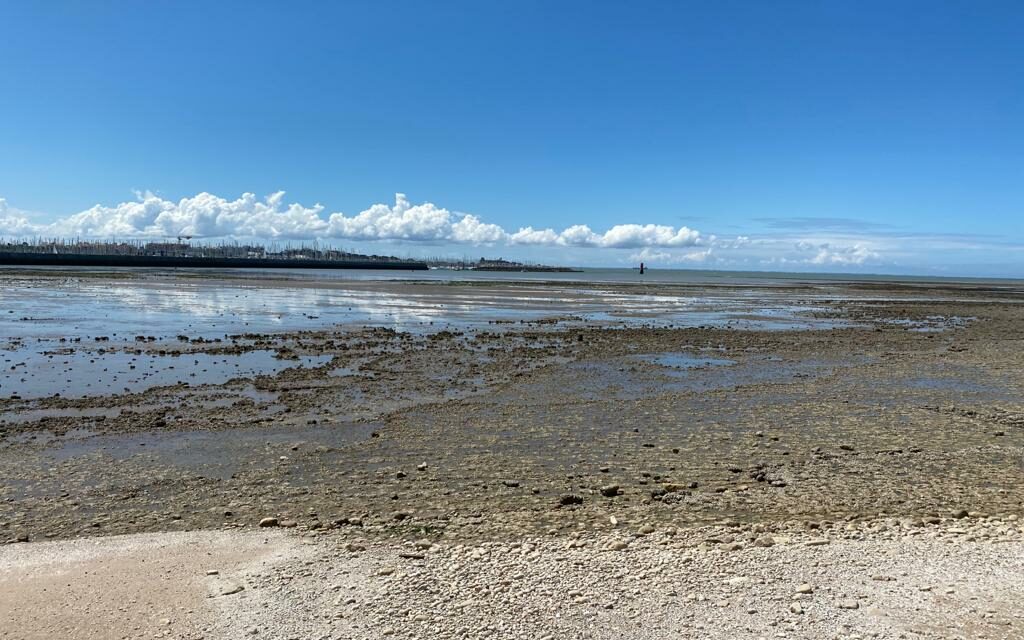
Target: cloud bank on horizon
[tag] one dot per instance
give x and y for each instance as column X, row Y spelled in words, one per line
column 427, row 228
column 208, row 216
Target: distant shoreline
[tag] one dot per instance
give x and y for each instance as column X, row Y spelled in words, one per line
column 527, row 268
column 14, row 258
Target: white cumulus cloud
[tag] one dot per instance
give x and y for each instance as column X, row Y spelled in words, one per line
column 209, row 216
column 621, row 236
column 649, row 235
column 403, row 221
column 579, row 235
column 204, row 215
column 658, row 256
column 14, row 222
column 471, row 230
column 529, row 235
column 856, row 254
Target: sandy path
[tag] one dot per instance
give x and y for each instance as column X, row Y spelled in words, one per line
column 137, row 586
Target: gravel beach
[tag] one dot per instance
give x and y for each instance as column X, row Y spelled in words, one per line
column 960, row 578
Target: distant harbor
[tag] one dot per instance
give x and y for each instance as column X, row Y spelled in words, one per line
column 183, row 254
column 228, row 255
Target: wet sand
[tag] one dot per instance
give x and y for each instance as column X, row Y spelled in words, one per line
column 161, row 585
column 801, row 410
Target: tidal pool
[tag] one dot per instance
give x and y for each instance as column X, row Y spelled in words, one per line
column 76, row 373
column 118, row 309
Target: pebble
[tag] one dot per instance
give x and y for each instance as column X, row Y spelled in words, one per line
column 231, row 589
column 764, row 541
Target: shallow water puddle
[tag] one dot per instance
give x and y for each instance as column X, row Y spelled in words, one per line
column 929, row 383
column 80, row 373
column 32, row 415
column 684, row 361
column 213, row 308
column 348, row 372
column 213, row 454
column 211, row 398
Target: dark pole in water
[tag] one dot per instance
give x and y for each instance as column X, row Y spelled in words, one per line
column 641, row 268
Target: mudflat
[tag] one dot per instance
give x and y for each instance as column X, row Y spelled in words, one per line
column 615, row 460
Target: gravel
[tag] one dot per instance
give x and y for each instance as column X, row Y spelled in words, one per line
column 884, row 579
column 888, row 578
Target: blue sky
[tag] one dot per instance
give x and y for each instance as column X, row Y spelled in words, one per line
column 851, row 136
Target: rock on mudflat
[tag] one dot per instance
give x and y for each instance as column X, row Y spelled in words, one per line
column 610, row 490
column 269, row 522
